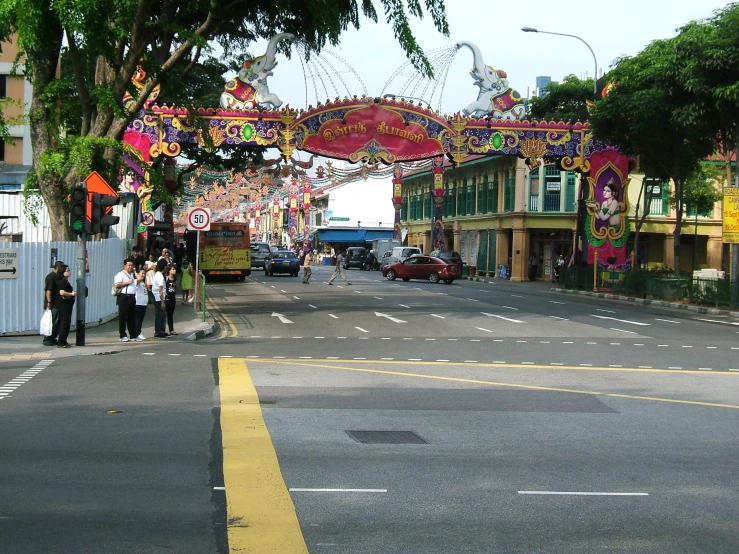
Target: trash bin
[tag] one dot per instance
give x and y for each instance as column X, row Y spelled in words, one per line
column 465, row 270
column 473, row 270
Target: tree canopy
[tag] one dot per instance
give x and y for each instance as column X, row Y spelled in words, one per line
column 566, row 101
column 77, row 120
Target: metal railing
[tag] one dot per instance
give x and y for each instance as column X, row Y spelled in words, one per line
column 652, row 285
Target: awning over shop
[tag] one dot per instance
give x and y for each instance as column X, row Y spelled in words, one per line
column 355, row 236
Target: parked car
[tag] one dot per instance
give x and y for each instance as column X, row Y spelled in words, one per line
column 355, row 257
column 400, row 253
column 259, row 251
column 449, row 256
column 386, row 259
column 282, row 261
column 423, row 267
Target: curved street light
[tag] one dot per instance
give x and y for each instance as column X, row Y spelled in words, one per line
column 595, row 75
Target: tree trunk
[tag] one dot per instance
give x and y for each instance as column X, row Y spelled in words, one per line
column 42, row 122
column 678, row 223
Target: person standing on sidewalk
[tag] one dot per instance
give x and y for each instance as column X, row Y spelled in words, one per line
column 307, row 260
column 158, row 290
column 64, row 304
column 51, row 295
column 142, row 299
column 339, row 269
column 126, row 299
column 188, row 274
column 170, row 297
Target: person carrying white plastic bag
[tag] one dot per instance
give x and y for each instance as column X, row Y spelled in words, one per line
column 46, row 325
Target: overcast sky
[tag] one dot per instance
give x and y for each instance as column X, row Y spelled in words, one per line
column 612, row 29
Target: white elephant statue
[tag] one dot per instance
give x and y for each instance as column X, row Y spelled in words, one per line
column 250, row 89
column 496, row 98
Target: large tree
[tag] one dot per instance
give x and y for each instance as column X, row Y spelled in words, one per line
column 565, row 101
column 105, row 41
column 644, row 115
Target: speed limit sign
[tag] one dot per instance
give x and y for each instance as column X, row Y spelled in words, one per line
column 198, row 219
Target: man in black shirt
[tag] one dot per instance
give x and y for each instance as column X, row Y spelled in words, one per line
column 138, row 259
column 51, row 296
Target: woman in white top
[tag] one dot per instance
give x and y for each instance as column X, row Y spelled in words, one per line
column 158, row 290
column 142, row 299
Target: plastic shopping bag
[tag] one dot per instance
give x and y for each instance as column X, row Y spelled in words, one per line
column 46, row 324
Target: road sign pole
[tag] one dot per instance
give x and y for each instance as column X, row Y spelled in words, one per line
column 197, row 271
column 81, row 288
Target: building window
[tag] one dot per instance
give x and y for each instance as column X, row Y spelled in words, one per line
column 534, row 190
column 2, row 150
column 470, row 197
column 571, row 191
column 404, row 209
column 482, row 195
column 3, row 86
column 318, row 219
column 492, row 197
column 553, row 184
column 509, row 191
column 427, row 203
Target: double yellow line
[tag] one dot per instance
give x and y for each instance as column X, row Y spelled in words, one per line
column 231, row 330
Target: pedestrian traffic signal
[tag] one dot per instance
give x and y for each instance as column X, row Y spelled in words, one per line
column 100, row 220
column 78, row 209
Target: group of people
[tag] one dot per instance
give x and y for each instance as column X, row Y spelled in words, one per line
column 306, row 259
column 137, row 285
column 151, row 282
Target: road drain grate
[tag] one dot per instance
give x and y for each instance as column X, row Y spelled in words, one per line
column 386, row 437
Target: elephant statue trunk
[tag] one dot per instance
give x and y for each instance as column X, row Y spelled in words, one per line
column 478, row 63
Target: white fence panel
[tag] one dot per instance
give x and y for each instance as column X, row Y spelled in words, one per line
column 23, row 300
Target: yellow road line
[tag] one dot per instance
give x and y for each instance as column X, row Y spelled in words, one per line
column 261, row 513
column 495, row 383
column 515, row 366
column 232, row 327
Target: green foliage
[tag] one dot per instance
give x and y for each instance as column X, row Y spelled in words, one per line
column 566, row 101
column 701, row 189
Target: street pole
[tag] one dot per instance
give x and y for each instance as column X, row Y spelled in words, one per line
column 735, row 247
column 579, row 220
column 81, row 288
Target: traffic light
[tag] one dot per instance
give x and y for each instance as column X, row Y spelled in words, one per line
column 78, row 209
column 100, row 221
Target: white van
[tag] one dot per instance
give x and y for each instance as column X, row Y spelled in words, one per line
column 400, row 253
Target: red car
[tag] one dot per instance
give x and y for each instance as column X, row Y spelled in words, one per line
column 422, row 267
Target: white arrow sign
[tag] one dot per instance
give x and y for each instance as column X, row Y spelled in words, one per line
column 501, row 317
column 391, row 318
column 282, row 317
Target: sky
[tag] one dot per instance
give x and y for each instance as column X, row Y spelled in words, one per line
column 612, row 29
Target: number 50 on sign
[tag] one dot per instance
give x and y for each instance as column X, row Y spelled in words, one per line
column 198, row 219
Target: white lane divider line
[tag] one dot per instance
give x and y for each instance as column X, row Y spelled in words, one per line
column 501, row 317
column 606, row 311
column 439, row 316
column 510, row 307
column 358, row 291
column 296, row 297
column 378, row 298
column 283, row 291
column 517, row 295
column 580, row 493
column 481, row 329
column 716, row 321
column 338, row 490
column 624, row 331
column 561, row 318
column 404, row 306
column 555, row 302
column 12, row 385
column 363, row 330
column 334, row 316
column 620, row 320
column 667, row 320
column 312, row 306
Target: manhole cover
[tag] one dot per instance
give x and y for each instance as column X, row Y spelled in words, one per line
column 386, row 437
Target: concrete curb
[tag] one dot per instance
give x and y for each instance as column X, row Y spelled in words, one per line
column 206, row 331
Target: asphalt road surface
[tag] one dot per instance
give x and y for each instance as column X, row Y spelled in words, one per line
column 383, row 417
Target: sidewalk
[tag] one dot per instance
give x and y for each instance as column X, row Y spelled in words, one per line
column 104, row 338
column 542, row 285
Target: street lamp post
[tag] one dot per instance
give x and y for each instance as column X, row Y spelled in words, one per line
column 581, row 200
column 595, row 75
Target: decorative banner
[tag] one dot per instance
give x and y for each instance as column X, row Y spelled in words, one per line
column 731, row 215
column 607, row 222
column 365, row 129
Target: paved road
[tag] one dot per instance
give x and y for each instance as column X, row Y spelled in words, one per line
column 565, row 427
